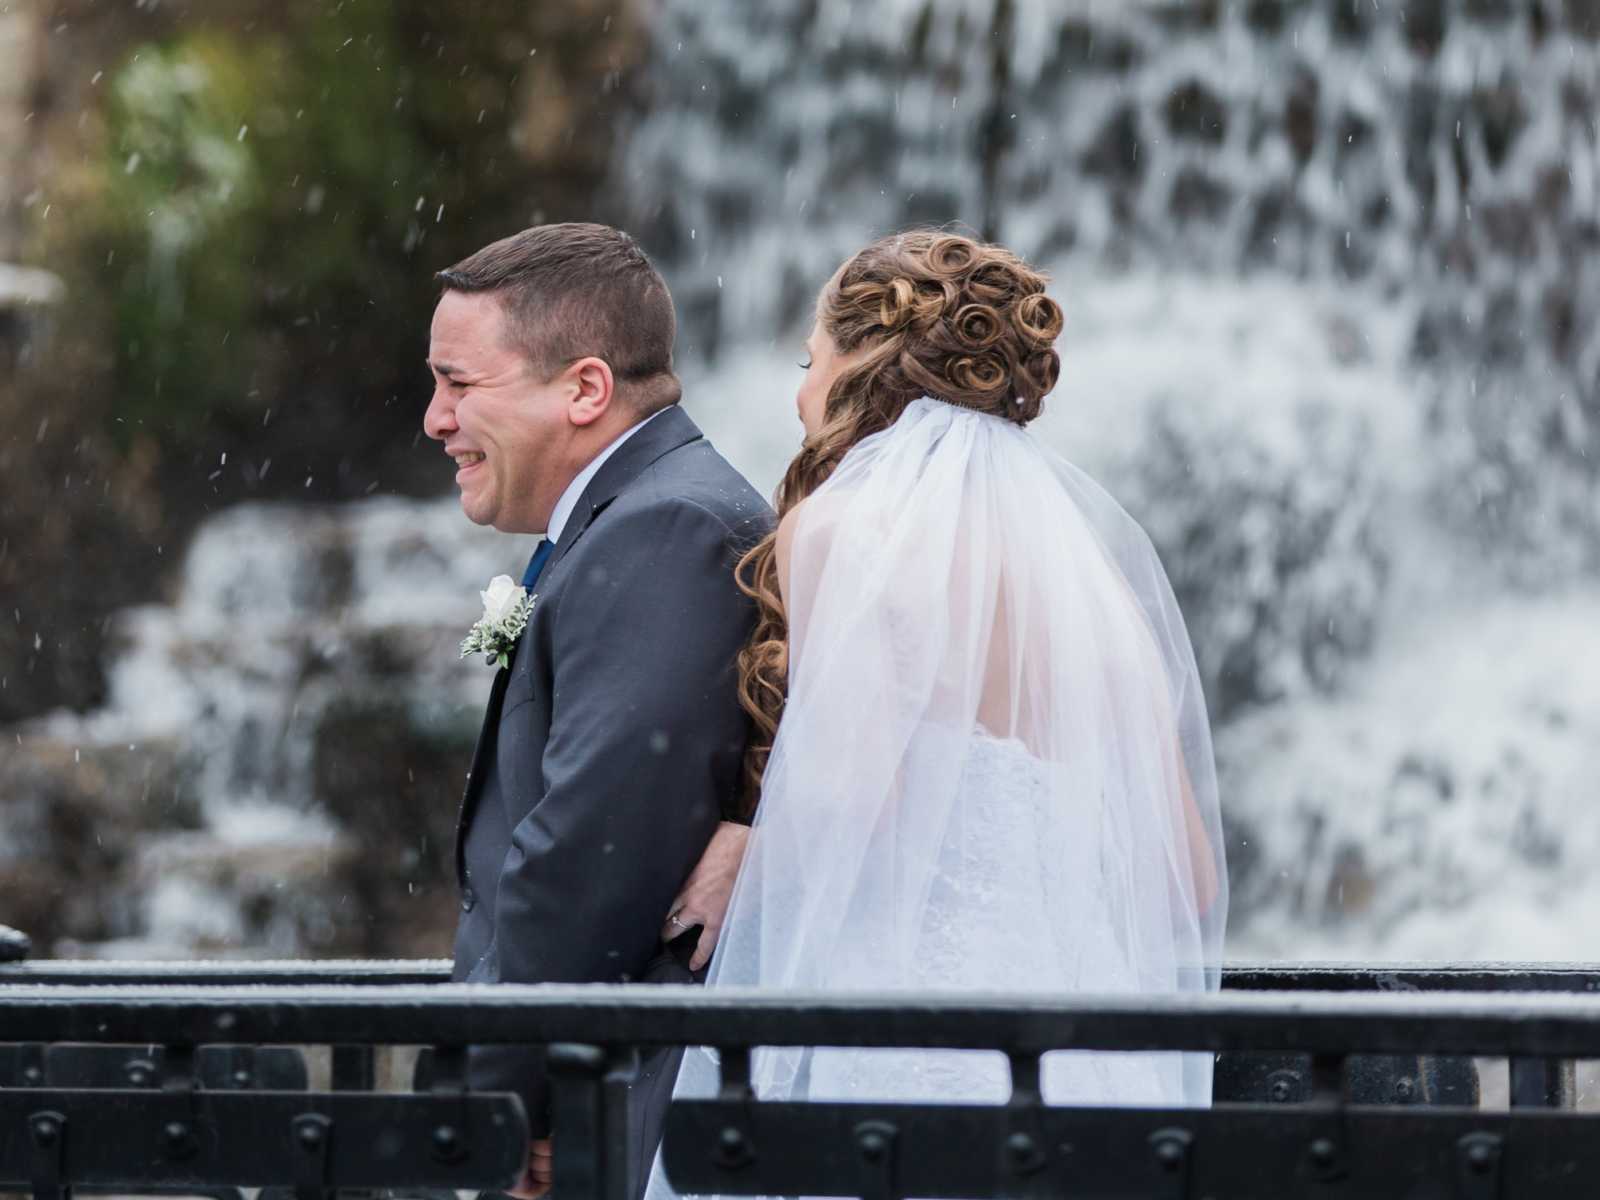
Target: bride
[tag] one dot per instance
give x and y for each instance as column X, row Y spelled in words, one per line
column 982, row 760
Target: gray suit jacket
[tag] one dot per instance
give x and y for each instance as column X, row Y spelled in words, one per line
column 612, row 745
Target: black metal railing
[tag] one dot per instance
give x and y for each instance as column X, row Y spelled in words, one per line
column 215, row 1105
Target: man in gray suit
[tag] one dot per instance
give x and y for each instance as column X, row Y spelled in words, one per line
column 612, row 743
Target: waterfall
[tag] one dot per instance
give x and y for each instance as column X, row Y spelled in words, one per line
column 284, row 745
column 1331, row 336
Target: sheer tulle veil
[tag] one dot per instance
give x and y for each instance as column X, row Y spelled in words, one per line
column 994, row 771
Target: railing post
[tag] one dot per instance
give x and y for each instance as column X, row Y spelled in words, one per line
column 311, row 1135
column 1328, row 1152
column 354, row 1068
column 48, row 1131
column 180, row 1137
column 1543, row 1083
column 589, row 1121
column 1023, row 1152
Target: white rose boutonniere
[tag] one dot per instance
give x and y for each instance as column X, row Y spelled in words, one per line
column 506, row 606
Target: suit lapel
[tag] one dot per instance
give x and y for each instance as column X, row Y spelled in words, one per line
column 469, row 794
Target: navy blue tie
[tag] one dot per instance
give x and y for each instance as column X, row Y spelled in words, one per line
column 536, row 563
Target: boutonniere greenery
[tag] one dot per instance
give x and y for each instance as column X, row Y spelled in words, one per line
column 506, row 606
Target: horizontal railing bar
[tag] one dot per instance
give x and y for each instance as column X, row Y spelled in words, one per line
column 122, row 1139
column 1408, row 977
column 1550, row 1025
column 1236, row 976
column 1243, row 1152
column 201, row 972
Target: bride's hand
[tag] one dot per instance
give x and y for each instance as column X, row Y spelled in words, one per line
column 704, row 898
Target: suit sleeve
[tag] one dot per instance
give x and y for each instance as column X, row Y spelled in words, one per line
column 645, row 743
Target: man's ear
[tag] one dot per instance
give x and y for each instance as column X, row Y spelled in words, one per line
column 593, row 387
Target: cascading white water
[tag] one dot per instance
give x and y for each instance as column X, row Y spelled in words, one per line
column 285, row 616
column 1332, row 335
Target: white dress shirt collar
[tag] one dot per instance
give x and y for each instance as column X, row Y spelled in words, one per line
column 562, row 512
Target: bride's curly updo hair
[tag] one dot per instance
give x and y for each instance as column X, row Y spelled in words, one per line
column 932, row 314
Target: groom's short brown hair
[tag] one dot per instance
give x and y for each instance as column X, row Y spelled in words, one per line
column 578, row 289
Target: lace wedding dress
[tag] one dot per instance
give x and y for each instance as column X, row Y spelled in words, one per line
column 1014, row 862
column 993, row 774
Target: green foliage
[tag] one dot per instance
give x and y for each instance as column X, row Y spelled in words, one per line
column 243, row 300
column 275, row 200
column 188, row 184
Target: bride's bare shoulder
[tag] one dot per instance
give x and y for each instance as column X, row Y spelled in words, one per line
column 817, row 518
column 811, row 524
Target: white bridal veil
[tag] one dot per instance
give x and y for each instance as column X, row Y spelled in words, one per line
column 994, row 771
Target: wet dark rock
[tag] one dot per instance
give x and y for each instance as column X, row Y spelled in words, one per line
column 1114, row 154
column 399, row 652
column 1551, row 192
column 1352, row 136
column 739, row 104
column 1195, row 111
column 1489, row 10
column 1075, row 43
column 1351, row 887
column 917, row 37
column 1181, row 16
column 1456, row 252
column 1424, row 23
column 858, row 141
column 1511, row 228
column 730, row 206
column 1353, row 254
column 1419, row 124
column 1265, row 16
column 1279, row 222
column 1504, row 333
column 1081, row 45
column 1377, row 210
column 1300, row 114
column 1438, row 329
column 394, row 784
column 1582, row 17
column 1199, row 195
column 74, row 819
column 1058, row 240
column 1576, row 99
column 1351, row 20
column 1501, row 118
column 1558, row 311
column 323, row 583
column 932, row 206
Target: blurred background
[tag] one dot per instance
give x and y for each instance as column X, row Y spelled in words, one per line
column 1331, row 278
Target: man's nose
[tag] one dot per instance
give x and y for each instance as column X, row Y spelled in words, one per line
column 439, row 422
